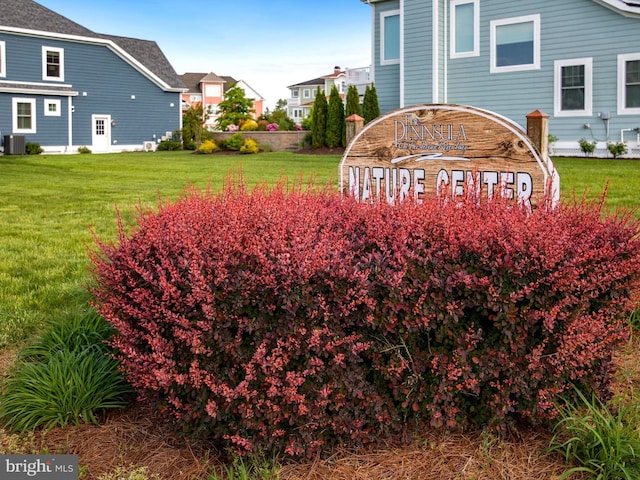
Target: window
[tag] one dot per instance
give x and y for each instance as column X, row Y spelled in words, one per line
column 51, row 108
column 24, row 115
column 573, row 87
column 629, row 84
column 465, row 28
column 306, row 93
column 295, row 93
column 515, row 44
column 212, row 90
column 100, row 127
column 52, row 63
column 3, row 60
column 390, row 35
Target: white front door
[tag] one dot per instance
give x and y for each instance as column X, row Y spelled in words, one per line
column 101, row 136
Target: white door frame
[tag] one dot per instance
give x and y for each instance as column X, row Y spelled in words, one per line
column 100, row 133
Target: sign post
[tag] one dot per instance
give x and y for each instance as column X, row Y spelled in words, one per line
column 446, row 150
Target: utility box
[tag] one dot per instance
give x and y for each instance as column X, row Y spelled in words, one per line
column 14, row 145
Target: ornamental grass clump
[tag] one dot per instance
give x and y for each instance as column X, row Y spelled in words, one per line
column 597, row 440
column 293, row 320
column 66, row 376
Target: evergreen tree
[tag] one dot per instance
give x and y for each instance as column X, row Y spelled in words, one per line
column 353, row 102
column 370, row 105
column 319, row 120
column 335, row 120
column 234, row 108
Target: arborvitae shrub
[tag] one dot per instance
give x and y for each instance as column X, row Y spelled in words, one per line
column 292, row 321
column 335, row 120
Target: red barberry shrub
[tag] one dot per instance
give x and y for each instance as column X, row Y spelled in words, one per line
column 500, row 310
column 292, row 320
column 243, row 314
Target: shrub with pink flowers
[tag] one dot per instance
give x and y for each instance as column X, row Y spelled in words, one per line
column 295, row 320
column 272, row 127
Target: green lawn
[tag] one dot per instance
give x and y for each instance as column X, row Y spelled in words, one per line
column 620, row 177
column 50, row 204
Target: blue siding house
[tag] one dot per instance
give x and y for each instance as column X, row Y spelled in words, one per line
column 576, row 60
column 64, row 86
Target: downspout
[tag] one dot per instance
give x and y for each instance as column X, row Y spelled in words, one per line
column 435, row 68
column 402, row 54
column 70, row 123
column 445, row 54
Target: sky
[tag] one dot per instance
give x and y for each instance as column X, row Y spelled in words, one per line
column 270, row 44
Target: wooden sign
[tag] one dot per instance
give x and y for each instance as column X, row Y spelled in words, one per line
column 448, row 150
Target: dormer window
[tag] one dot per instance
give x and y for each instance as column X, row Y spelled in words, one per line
column 52, row 63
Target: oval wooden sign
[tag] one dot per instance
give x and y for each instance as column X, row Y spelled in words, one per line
column 446, row 149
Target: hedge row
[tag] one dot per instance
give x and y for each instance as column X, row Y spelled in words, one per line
column 292, row 320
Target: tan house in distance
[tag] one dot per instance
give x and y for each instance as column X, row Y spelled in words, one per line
column 208, row 89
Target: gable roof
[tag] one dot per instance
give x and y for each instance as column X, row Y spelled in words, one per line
column 230, row 82
column 249, row 90
column 309, row 83
column 628, row 8
column 192, row 80
column 31, row 16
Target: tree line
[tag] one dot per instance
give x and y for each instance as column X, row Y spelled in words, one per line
column 326, row 122
column 328, row 126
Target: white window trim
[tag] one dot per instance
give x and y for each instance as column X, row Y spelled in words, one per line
column 14, row 115
column 588, row 87
column 536, row 43
column 213, row 90
column 3, row 60
column 622, row 91
column 306, row 93
column 50, row 101
column 476, row 29
column 383, row 16
column 60, row 51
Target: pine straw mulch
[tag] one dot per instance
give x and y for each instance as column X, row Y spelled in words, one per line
column 135, row 438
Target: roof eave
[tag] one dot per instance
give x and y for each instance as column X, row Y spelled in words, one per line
column 623, row 8
column 99, row 41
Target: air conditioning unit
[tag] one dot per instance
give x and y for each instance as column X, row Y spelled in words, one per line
column 149, row 146
column 14, row 145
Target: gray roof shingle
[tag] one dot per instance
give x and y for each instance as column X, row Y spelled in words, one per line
column 193, row 80
column 30, row 15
